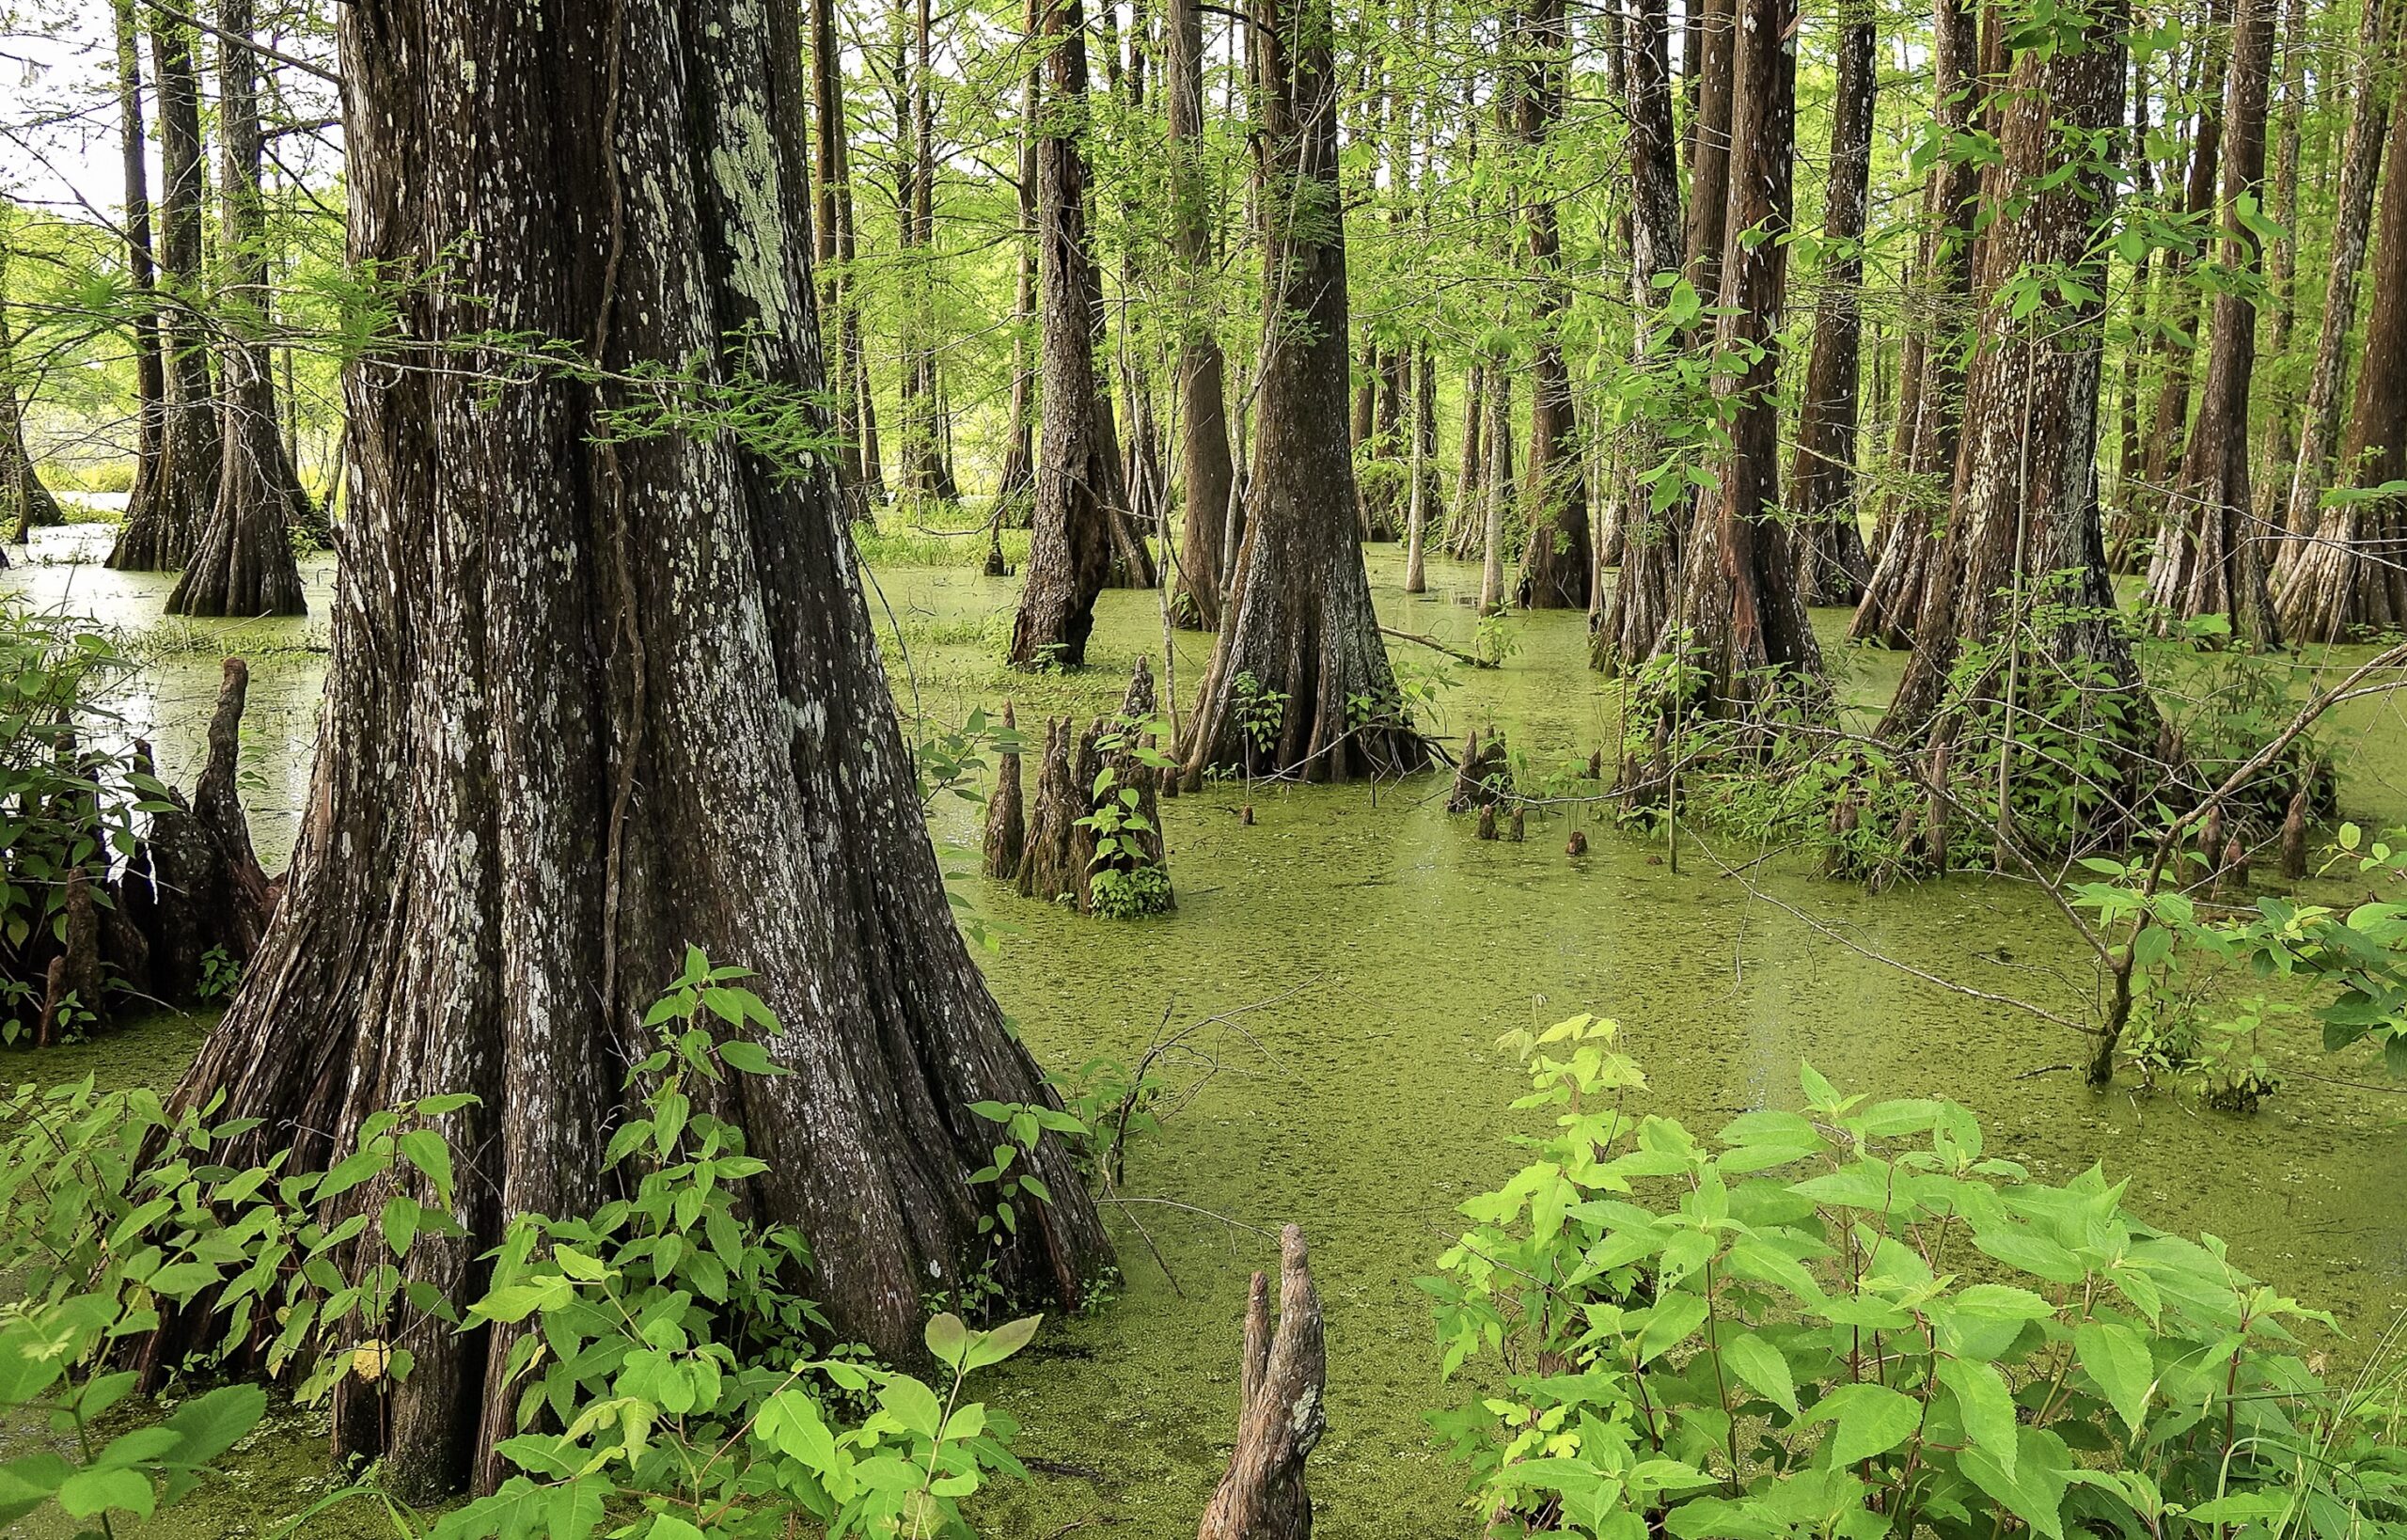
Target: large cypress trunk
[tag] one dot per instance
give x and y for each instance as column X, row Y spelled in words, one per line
column 2026, row 505
column 1299, row 623
column 1739, row 626
column 2351, row 577
column 1558, row 563
column 2379, row 32
column 1648, row 553
column 2212, row 559
column 1832, row 563
column 1929, row 428
column 162, row 525
column 1078, row 487
column 1207, row 472
column 593, row 695
column 242, row 564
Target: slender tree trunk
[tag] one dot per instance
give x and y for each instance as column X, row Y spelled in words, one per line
column 923, row 466
column 1018, row 479
column 1207, row 469
column 593, row 697
column 1471, row 472
column 1078, row 464
column 1299, row 625
column 2132, row 452
column 2149, row 511
column 2381, row 39
column 2212, row 560
column 2349, row 577
column 1649, row 554
column 1559, row 561
column 831, row 185
column 1738, row 631
column 243, row 565
column 161, row 527
column 1832, row 563
column 1929, row 428
column 1496, row 487
column 24, row 500
column 2278, row 451
column 149, row 372
column 2025, row 507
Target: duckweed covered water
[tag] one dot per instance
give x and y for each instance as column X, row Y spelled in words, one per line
column 1373, row 951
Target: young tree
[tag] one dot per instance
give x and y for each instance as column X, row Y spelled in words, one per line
column 1737, row 627
column 2349, row 576
column 923, row 451
column 1079, row 495
column 595, row 695
column 242, row 562
column 1558, row 563
column 1016, row 480
column 2210, row 559
column 1832, row 563
column 1300, row 644
column 1207, row 471
column 162, row 525
column 2026, row 505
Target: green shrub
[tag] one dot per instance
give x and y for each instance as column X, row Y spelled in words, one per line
column 1850, row 1321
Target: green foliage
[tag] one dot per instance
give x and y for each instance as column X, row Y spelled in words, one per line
column 66, row 801
column 117, row 1215
column 660, row 1339
column 1850, row 1321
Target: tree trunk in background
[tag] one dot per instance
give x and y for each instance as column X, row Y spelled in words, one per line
column 1647, row 595
column 923, row 459
column 1466, row 510
column 1738, row 628
column 2212, row 561
column 1206, row 468
column 1649, row 554
column 2349, row 577
column 242, row 563
column 832, row 246
column 1496, row 486
column 1558, row 561
column 2145, row 515
column 150, row 375
column 24, row 500
column 1078, row 462
column 2025, row 507
column 1299, row 623
column 161, row 527
column 1017, row 480
column 1929, row 430
column 2379, row 34
column 591, row 697
column 2269, row 475
column 2132, row 452
column 1832, row 563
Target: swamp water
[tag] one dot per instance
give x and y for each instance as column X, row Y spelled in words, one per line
column 1375, row 950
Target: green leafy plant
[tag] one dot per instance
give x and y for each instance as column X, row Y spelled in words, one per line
column 1850, row 1320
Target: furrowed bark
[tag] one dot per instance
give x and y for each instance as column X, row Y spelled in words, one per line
column 595, row 697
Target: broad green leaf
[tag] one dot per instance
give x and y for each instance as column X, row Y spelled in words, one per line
column 1763, row 1370
column 913, row 1404
column 2117, row 1358
column 1872, row 1420
column 993, row 1347
column 2034, row 1490
column 948, row 1338
column 1987, row 1407
column 88, row 1494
